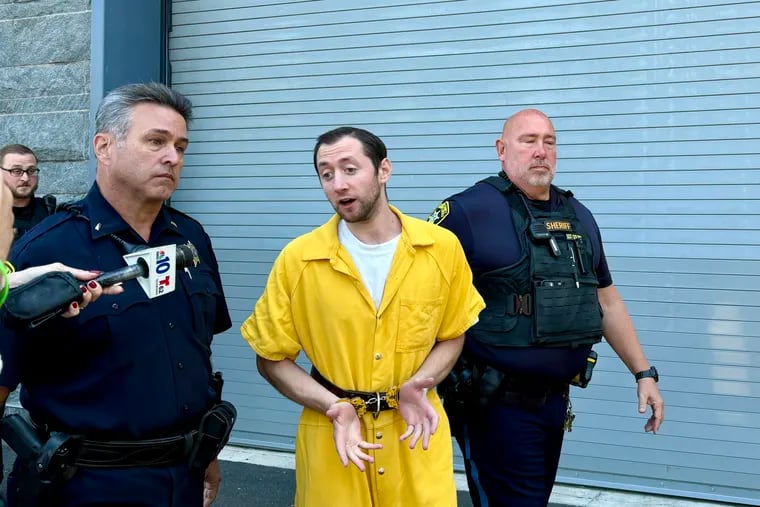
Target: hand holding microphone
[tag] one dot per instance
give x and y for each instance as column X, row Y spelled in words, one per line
column 47, row 291
column 90, row 290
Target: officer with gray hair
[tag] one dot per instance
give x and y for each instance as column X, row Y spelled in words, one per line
column 123, row 397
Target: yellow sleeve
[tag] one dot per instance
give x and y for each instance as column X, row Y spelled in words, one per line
column 464, row 302
column 270, row 329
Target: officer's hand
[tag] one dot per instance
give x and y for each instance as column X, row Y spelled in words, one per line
column 649, row 394
column 211, row 482
column 347, row 435
column 416, row 409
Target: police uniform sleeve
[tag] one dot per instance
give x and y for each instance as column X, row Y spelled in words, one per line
column 449, row 214
column 222, row 320
column 603, row 275
column 270, row 329
column 464, row 303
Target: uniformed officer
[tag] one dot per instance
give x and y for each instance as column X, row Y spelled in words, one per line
column 131, row 377
column 537, row 259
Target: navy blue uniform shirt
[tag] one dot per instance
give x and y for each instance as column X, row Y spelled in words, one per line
column 482, row 220
column 127, row 367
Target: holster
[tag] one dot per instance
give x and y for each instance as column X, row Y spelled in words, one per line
column 213, row 434
column 457, row 391
column 43, row 466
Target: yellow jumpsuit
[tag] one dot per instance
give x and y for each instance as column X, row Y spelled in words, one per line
column 315, row 301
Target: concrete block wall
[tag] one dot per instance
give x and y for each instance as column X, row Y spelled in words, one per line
column 45, row 88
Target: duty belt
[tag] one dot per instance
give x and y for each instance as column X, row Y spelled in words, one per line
column 363, row 401
column 135, row 453
column 529, row 392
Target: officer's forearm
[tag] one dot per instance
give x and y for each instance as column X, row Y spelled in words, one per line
column 619, row 332
column 440, row 360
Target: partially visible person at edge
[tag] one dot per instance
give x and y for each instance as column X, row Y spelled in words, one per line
column 537, row 259
column 21, row 174
column 130, row 375
column 379, row 303
column 13, row 279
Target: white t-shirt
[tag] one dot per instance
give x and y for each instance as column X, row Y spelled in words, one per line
column 372, row 261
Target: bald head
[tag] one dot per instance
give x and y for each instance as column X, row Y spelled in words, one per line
column 514, row 120
column 527, row 150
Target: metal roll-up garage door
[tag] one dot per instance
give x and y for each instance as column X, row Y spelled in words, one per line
column 656, row 105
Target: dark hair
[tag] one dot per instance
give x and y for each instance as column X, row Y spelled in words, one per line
column 114, row 112
column 17, row 149
column 372, row 145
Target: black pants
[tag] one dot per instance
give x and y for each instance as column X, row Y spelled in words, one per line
column 512, row 451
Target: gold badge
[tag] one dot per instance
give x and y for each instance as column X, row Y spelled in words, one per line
column 196, row 257
column 441, row 212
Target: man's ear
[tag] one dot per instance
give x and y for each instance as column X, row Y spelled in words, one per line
column 385, row 170
column 102, row 145
column 501, row 149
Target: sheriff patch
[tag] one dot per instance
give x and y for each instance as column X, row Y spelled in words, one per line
column 441, row 212
column 559, row 225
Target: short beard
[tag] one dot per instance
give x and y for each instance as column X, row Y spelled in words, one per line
column 17, row 195
column 541, row 180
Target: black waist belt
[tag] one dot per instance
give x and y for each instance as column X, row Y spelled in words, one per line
column 135, row 453
column 530, row 392
column 363, row 401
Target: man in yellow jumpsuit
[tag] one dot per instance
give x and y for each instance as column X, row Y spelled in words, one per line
column 379, row 303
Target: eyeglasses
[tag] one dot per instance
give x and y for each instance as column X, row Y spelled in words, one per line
column 17, row 173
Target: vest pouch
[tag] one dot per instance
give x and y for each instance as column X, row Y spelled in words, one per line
column 498, row 288
column 565, row 312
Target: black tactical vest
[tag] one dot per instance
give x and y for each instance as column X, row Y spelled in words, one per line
column 549, row 296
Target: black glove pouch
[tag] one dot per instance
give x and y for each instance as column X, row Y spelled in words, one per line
column 32, row 303
column 213, row 434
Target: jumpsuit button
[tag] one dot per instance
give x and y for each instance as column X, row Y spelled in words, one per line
column 171, row 325
column 115, row 306
column 381, row 470
column 378, row 435
column 180, row 365
column 185, row 407
column 378, row 356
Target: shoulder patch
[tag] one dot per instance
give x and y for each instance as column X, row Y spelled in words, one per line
column 439, row 214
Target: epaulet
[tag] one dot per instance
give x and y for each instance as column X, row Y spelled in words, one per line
column 175, row 211
column 48, row 224
column 72, row 207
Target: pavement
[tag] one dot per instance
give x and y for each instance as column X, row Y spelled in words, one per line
column 267, row 479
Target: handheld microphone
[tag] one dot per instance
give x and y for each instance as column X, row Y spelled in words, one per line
column 185, row 255
column 50, row 294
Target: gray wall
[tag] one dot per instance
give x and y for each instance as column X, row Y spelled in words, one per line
column 45, row 86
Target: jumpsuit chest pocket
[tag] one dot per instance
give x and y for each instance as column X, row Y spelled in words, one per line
column 418, row 322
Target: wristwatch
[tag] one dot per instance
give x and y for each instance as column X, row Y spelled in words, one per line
column 650, row 373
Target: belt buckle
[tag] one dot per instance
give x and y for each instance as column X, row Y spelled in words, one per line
column 375, row 400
